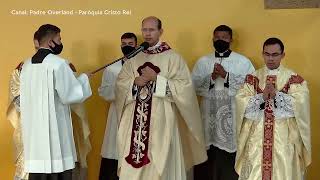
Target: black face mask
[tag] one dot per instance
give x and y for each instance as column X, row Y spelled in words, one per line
column 127, row 50
column 57, row 48
column 221, row 45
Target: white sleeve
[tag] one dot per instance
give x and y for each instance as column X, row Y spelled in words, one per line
column 253, row 110
column 235, row 82
column 283, row 106
column 161, row 86
column 107, row 87
column 201, row 79
column 69, row 88
column 85, row 84
column 162, row 89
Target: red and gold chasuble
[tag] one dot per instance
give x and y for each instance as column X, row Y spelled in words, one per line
column 268, row 136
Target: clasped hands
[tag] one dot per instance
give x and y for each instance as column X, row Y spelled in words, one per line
column 269, row 91
column 218, row 70
column 147, row 74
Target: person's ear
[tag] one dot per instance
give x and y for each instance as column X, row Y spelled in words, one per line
column 161, row 31
column 50, row 43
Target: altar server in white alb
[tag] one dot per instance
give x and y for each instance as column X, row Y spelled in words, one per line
column 48, row 87
column 109, row 153
column 216, row 78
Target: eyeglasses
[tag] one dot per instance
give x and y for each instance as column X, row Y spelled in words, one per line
column 272, row 55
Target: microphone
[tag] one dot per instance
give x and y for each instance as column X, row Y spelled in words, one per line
column 143, row 46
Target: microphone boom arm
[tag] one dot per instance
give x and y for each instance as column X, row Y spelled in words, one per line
column 99, row 69
column 142, row 47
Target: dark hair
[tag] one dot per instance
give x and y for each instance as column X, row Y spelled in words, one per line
column 157, row 19
column 272, row 41
column 223, row 28
column 129, row 35
column 35, row 36
column 47, row 30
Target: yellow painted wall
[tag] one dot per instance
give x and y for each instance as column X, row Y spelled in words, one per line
column 91, row 41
